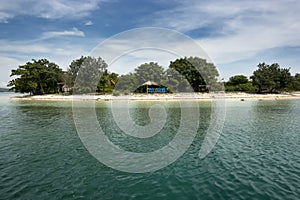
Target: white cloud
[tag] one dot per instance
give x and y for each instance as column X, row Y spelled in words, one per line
column 21, row 47
column 127, row 50
column 89, row 23
column 250, row 40
column 53, row 9
column 239, row 29
column 53, row 34
column 6, row 65
column 4, row 17
column 25, row 48
column 15, row 53
column 193, row 14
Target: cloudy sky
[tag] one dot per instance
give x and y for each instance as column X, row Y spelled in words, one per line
column 235, row 34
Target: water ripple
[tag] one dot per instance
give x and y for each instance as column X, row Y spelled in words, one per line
column 257, row 157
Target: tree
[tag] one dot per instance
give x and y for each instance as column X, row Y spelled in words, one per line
column 126, row 83
column 197, row 71
column 271, row 78
column 245, row 87
column 74, row 69
column 149, row 72
column 113, row 78
column 295, row 83
column 107, row 82
column 4, row 90
column 37, row 77
column 89, row 74
column 175, row 81
column 67, row 79
column 53, row 78
column 285, row 79
column 239, row 83
column 238, row 79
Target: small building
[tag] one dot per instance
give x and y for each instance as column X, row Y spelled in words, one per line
column 65, row 88
column 151, row 87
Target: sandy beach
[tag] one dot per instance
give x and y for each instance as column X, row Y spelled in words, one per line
column 163, row 97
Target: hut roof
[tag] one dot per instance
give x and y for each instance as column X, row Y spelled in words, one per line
column 150, row 83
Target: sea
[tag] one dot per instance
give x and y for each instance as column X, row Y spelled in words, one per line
column 43, row 155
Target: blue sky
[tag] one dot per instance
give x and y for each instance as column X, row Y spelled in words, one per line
column 235, row 34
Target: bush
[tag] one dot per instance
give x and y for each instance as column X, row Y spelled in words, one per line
column 126, row 92
column 116, row 93
column 245, row 87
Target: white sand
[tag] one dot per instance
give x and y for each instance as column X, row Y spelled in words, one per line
column 163, row 97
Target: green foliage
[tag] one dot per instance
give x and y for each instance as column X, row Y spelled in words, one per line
column 73, row 70
column 116, row 93
column 4, row 89
column 126, row 92
column 239, row 83
column 245, row 87
column 295, row 85
column 107, row 82
column 90, row 71
column 90, row 75
column 197, row 72
column 237, row 80
column 126, row 82
column 271, row 78
column 183, row 75
column 37, row 77
column 175, row 81
column 145, row 72
column 149, row 72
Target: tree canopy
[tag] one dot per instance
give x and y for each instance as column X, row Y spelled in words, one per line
column 183, row 75
column 37, row 77
column 126, row 83
column 271, row 78
column 149, row 71
column 90, row 71
column 296, row 82
column 238, row 79
column 176, row 82
column 197, row 71
column 239, row 83
column 107, row 82
column 188, row 74
column 73, row 70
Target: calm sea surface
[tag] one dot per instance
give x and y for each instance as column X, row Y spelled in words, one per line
column 256, row 157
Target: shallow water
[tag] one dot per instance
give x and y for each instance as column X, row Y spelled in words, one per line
column 256, row 157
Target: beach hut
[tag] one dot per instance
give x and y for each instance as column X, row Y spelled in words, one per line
column 65, row 88
column 153, row 87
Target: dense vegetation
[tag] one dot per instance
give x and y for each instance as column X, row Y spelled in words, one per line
column 183, row 75
column 37, row 77
column 90, row 75
column 266, row 79
column 239, row 83
column 3, row 89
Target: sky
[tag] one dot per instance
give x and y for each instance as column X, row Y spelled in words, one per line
column 235, row 34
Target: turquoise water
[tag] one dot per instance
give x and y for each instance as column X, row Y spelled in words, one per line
column 256, row 157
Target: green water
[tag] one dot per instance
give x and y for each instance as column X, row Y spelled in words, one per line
column 256, row 157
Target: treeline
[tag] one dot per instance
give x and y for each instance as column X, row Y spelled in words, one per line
column 90, row 75
column 189, row 74
column 37, row 77
column 183, row 75
column 3, row 90
column 266, row 79
column 44, row 77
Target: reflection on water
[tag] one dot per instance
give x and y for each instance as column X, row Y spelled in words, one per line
column 257, row 156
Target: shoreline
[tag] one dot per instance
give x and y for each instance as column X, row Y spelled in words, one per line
column 162, row 97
